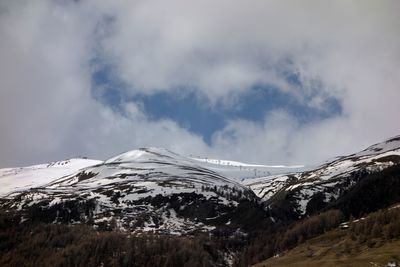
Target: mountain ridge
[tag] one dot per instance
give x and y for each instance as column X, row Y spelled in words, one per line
column 232, row 208
column 155, row 182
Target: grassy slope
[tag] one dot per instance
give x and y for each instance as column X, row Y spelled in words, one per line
column 335, row 248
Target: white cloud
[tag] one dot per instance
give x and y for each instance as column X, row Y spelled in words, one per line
column 347, row 50
column 47, row 111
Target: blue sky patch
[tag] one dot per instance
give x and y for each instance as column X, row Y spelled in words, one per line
column 199, row 118
column 191, row 111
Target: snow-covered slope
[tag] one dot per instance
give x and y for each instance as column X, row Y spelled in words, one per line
column 241, row 171
column 155, row 189
column 18, row 179
column 331, row 179
column 156, row 170
column 145, row 189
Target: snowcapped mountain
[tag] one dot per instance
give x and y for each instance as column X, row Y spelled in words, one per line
column 325, row 184
column 241, row 171
column 18, row 179
column 154, row 189
column 145, row 189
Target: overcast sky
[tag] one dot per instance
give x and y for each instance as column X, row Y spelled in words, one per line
column 275, row 82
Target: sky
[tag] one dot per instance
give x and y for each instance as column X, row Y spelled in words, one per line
column 269, row 82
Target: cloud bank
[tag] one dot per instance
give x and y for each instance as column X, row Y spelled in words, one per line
column 217, row 50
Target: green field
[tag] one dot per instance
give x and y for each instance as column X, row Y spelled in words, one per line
column 335, row 248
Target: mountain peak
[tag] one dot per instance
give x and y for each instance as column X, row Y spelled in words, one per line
column 143, row 154
column 390, row 144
